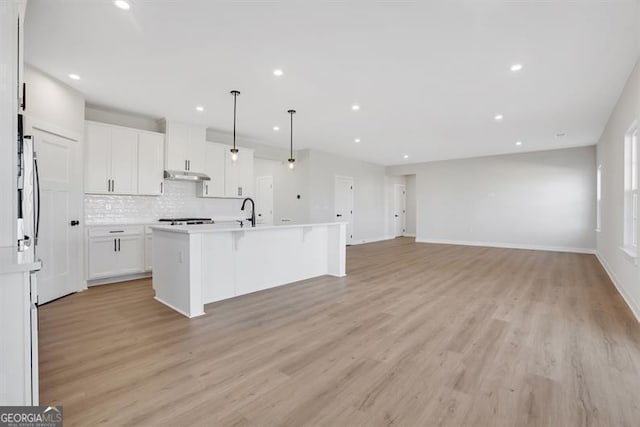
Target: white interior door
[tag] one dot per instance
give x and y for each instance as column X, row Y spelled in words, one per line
column 400, row 209
column 344, row 203
column 264, row 199
column 59, row 242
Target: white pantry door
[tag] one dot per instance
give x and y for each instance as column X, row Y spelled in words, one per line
column 399, row 209
column 264, row 200
column 344, row 203
column 59, row 242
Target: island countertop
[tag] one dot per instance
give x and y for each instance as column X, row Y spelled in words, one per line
column 194, row 265
column 223, row 228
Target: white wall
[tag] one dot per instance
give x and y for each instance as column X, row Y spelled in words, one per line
column 287, row 185
column 623, row 270
column 54, row 104
column 543, row 199
column 369, row 193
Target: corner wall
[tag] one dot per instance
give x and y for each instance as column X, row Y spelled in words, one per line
column 369, row 193
column 538, row 200
column 623, row 270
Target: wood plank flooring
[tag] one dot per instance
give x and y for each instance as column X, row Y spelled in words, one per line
column 415, row 335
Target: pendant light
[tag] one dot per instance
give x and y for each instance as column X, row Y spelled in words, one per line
column 234, row 150
column 291, row 160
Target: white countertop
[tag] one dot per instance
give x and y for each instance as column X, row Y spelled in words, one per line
column 12, row 261
column 223, row 228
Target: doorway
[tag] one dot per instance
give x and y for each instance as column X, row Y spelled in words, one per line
column 399, row 210
column 264, row 200
column 343, row 206
column 61, row 199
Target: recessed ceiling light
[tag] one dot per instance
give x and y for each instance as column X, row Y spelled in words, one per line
column 200, row 108
column 518, row 143
column 498, row 117
column 516, row 67
column 357, row 140
column 355, row 107
column 122, row 4
column 278, row 72
column 406, row 156
column 276, row 128
column 74, row 76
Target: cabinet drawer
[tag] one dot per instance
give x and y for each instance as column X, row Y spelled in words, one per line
column 112, row 231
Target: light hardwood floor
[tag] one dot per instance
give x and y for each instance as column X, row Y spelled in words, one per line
column 415, row 335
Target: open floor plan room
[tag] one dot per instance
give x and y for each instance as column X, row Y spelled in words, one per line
column 430, row 335
column 232, row 213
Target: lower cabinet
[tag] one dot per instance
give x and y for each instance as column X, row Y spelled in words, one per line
column 116, row 251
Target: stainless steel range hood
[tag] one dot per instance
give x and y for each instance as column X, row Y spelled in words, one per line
column 186, row 176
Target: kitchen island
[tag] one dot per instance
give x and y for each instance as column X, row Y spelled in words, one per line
column 194, row 265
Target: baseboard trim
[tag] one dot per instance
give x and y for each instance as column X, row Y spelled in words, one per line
column 108, row 280
column 635, row 310
column 177, row 309
column 507, row 245
column 365, row 241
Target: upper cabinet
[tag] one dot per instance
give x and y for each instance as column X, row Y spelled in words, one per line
column 184, row 147
column 121, row 160
column 214, row 168
column 239, row 174
column 229, row 179
column 150, row 163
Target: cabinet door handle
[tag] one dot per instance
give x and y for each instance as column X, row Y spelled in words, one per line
column 189, row 165
column 118, row 245
column 161, row 187
column 206, row 189
column 113, row 185
column 115, row 245
column 108, row 185
column 185, row 165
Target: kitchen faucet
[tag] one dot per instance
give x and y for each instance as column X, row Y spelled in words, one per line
column 253, row 210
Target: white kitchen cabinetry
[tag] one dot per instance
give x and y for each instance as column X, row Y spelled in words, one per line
column 238, row 175
column 98, row 158
column 214, row 159
column 115, row 251
column 184, row 147
column 150, row 163
column 122, row 160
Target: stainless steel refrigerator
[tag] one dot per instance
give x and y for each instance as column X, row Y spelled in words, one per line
column 28, row 224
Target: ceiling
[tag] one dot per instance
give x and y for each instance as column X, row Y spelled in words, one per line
column 429, row 75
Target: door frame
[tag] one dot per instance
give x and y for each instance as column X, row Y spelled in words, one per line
column 34, row 124
column 351, row 226
column 403, row 215
column 272, row 194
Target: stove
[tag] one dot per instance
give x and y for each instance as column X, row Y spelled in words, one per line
column 186, row 221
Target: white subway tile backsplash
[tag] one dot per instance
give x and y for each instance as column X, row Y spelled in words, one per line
column 179, row 200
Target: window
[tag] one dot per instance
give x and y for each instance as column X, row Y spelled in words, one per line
column 598, row 198
column 630, row 240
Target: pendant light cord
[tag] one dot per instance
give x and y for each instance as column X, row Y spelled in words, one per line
column 235, row 97
column 291, row 112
